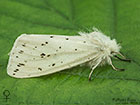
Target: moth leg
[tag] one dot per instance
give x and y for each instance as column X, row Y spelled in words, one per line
column 93, row 70
column 117, row 69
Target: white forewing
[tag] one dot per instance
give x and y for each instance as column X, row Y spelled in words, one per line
column 37, row 55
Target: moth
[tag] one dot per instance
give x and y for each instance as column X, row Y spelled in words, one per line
column 36, row 55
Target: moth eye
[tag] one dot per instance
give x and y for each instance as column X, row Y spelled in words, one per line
column 111, row 52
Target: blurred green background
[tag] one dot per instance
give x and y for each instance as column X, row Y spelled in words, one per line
column 119, row 19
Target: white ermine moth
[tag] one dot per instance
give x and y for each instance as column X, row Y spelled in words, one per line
column 37, row 55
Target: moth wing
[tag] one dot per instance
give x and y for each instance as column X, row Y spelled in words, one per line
column 37, row 55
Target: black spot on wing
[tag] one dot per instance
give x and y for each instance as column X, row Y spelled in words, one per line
column 67, row 38
column 48, row 55
column 75, row 49
column 40, row 69
column 16, row 70
column 23, row 45
column 42, row 44
column 53, row 64
column 21, row 51
column 51, row 36
column 20, row 64
column 45, row 43
column 42, row 55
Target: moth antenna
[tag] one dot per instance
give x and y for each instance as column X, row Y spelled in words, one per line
column 93, row 70
column 117, row 69
column 122, row 59
column 126, row 60
column 121, row 55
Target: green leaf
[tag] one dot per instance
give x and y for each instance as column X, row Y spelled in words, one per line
column 118, row 19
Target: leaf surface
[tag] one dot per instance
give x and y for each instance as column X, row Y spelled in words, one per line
column 118, row 19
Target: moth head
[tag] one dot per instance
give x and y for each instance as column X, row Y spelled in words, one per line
column 110, row 47
column 112, row 51
column 106, row 44
column 113, row 47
